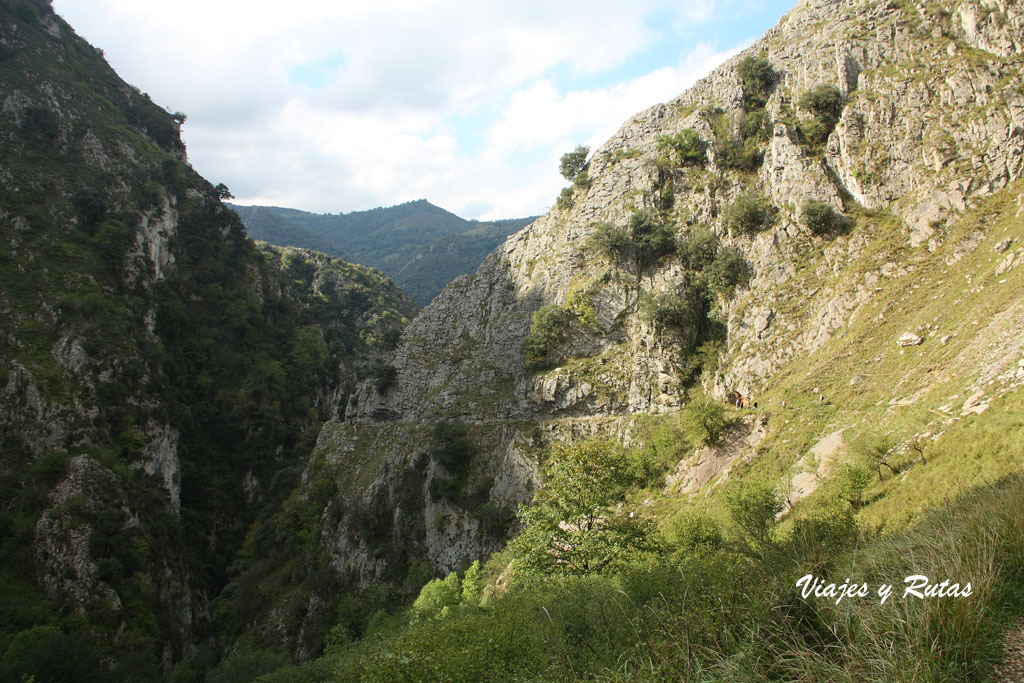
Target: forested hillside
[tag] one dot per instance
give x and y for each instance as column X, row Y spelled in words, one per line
column 419, row 245
column 161, row 378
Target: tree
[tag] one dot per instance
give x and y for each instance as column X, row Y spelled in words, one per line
column 652, row 238
column 573, row 163
column 728, row 270
column 572, row 527
column 754, row 506
column 222, row 191
column 704, row 419
column 686, row 145
column 758, row 78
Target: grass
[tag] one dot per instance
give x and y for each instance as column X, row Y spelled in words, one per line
column 721, row 615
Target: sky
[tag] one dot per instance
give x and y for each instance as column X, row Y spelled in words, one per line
column 339, row 106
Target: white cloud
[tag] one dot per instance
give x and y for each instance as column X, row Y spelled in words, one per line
column 396, row 77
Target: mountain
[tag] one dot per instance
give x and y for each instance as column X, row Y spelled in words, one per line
column 767, row 345
column 419, row 245
column 162, row 378
column 826, row 228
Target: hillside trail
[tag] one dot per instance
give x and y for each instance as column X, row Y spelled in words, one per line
column 1011, row 670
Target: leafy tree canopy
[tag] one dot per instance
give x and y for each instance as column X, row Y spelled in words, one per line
column 573, row 163
column 572, row 528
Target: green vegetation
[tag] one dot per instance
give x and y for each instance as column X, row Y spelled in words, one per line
column 722, row 602
column 645, row 241
column 573, row 163
column 825, row 102
column 571, row 527
column 452, row 451
column 759, row 79
column 748, row 213
column 684, row 148
column 704, row 420
column 573, row 167
column 420, row 246
column 678, row 313
column 819, row 217
column 738, row 147
column 550, row 327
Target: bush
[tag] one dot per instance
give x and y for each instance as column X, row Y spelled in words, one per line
column 383, row 376
column 650, row 238
column 535, row 352
column 825, row 102
column 573, row 163
column 566, row 198
column 818, row 216
column 686, row 146
column 89, row 205
column 40, row 125
column 728, row 270
column 572, row 526
column 754, row 506
column 748, row 213
column 437, row 596
column 450, row 447
column 694, row 533
column 550, row 324
column 611, row 241
column 698, row 248
column 704, row 420
column 549, row 329
column 678, row 313
column 758, row 78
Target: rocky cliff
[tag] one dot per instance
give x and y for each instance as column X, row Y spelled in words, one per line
column 813, row 187
column 158, row 371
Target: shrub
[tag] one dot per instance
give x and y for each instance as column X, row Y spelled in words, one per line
column 758, row 78
column 383, row 376
column 438, row 596
column 550, row 324
column 40, row 125
column 572, row 527
column 549, row 329
column 89, row 205
column 678, row 313
column 573, row 163
column 704, row 420
column 818, row 216
column 698, row 248
column 650, row 238
column 825, row 102
column 535, row 352
column 450, row 446
column 727, row 271
column 611, row 241
column 694, row 533
column 753, row 506
column 748, row 213
column 686, row 146
column 566, row 198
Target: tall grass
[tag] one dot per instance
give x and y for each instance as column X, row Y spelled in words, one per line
column 733, row 614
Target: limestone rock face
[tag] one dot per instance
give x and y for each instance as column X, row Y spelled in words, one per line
column 932, row 123
column 924, row 132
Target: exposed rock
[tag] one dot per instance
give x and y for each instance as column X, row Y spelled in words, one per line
column 815, row 466
column 976, row 403
column 909, row 339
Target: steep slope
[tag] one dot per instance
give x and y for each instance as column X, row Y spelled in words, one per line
column 770, row 233
column 421, row 246
column 161, row 377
